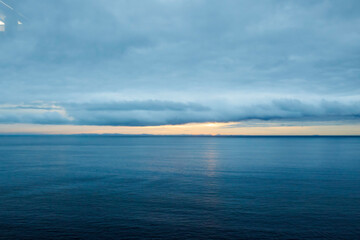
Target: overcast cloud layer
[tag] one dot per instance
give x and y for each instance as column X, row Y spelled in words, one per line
column 156, row 62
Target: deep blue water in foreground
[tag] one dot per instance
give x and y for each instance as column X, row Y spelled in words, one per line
column 105, row 187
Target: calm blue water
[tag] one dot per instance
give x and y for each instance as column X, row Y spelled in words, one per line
column 104, row 187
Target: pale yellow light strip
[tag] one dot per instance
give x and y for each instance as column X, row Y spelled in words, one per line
column 186, row 129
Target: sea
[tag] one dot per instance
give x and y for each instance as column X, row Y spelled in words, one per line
column 179, row 187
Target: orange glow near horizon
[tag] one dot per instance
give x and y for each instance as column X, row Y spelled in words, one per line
column 185, row 129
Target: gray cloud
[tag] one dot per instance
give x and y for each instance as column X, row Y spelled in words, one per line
column 163, row 113
column 153, row 62
column 151, row 105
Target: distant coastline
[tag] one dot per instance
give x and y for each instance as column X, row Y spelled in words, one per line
column 158, row 135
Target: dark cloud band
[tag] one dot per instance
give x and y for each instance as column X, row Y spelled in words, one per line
column 153, row 113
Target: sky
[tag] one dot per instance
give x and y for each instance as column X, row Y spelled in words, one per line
column 232, row 67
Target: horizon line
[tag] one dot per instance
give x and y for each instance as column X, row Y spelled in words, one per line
column 166, row 135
